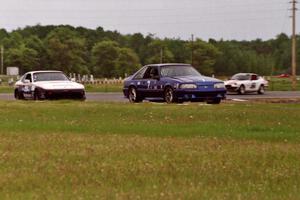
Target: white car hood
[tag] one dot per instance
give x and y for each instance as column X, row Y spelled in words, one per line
column 58, row 85
column 230, row 82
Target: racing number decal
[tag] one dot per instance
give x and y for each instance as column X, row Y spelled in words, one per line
column 148, row 83
column 253, row 85
column 151, row 85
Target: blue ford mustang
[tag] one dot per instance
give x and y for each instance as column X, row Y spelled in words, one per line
column 173, row 83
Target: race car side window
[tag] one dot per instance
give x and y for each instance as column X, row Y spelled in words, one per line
column 28, row 77
column 151, row 72
column 141, row 73
column 253, row 77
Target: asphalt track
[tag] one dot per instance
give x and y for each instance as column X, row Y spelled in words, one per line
column 118, row 97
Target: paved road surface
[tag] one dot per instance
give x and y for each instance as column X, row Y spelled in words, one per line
column 118, row 97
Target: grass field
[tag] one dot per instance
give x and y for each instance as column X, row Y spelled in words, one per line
column 281, row 84
column 88, row 150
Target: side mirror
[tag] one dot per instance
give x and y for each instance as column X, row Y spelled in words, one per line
column 73, row 79
column 26, row 81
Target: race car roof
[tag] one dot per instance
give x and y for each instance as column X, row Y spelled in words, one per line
column 169, row 64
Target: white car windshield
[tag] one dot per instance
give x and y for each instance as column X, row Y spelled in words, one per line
column 173, row 71
column 49, row 76
column 241, row 77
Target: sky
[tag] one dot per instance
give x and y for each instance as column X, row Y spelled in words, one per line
column 217, row 19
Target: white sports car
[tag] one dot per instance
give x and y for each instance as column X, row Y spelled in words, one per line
column 47, row 85
column 246, row 82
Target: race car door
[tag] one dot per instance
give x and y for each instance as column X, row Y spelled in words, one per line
column 26, row 86
column 254, row 85
column 150, row 82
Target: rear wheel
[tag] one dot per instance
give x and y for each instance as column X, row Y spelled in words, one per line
column 242, row 90
column 133, row 95
column 261, row 90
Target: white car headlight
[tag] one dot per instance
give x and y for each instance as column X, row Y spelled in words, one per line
column 219, row 85
column 188, row 86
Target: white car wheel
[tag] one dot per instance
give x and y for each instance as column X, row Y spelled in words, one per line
column 261, row 90
column 242, row 90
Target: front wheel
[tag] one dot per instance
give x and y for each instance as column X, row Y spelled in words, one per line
column 242, row 90
column 133, row 96
column 261, row 90
column 169, row 95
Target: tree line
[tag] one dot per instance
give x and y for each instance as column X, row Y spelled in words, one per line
column 111, row 54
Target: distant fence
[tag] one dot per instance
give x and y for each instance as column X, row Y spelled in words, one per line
column 89, row 79
column 102, row 81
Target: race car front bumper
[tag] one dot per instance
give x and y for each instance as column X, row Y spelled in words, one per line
column 200, row 95
column 231, row 88
column 62, row 94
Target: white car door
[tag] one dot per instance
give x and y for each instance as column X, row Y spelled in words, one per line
column 254, row 83
column 27, row 83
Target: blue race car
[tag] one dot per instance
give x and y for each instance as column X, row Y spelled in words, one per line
column 174, row 83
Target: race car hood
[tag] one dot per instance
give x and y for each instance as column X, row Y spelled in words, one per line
column 195, row 79
column 58, row 85
column 230, row 82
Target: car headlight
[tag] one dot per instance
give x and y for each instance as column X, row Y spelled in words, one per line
column 219, row 85
column 188, row 86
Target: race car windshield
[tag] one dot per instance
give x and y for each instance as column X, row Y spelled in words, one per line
column 49, row 76
column 240, row 77
column 174, row 71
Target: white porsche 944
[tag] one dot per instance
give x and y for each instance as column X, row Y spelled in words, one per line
column 245, row 83
column 47, row 85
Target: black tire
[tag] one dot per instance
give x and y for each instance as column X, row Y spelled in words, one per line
column 169, row 95
column 214, row 101
column 18, row 95
column 261, row 89
column 36, row 95
column 133, row 95
column 242, row 89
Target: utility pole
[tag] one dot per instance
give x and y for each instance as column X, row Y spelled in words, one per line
column 294, row 40
column 2, row 56
column 161, row 55
column 192, row 56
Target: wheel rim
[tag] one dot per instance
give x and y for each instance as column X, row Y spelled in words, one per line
column 262, row 89
column 169, row 96
column 132, row 95
column 242, row 90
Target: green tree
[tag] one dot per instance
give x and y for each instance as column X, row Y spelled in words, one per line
column 204, row 56
column 33, row 42
column 66, row 51
column 104, row 57
column 23, row 57
column 127, row 62
column 158, row 51
column 13, row 40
